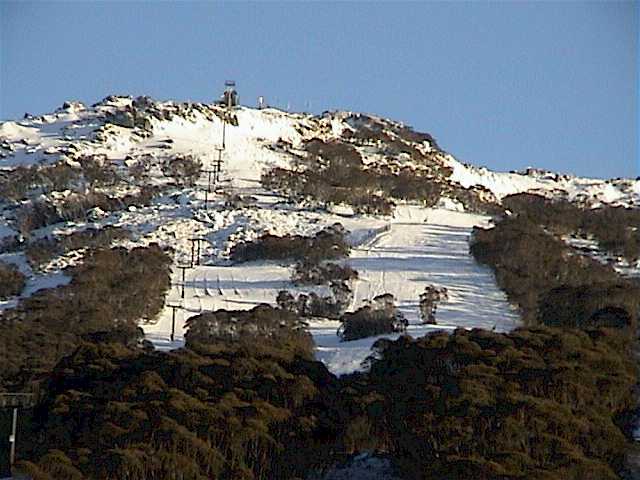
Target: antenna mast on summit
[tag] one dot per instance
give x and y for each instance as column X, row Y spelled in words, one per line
column 230, row 97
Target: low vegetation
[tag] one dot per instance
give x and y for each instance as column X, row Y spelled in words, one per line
column 550, row 282
column 184, row 170
column 12, row 281
column 110, row 291
column 76, row 207
column 616, row 229
column 87, row 172
column 280, row 328
column 308, row 273
column 44, row 250
column 313, row 305
column 335, row 173
column 327, row 244
column 378, row 318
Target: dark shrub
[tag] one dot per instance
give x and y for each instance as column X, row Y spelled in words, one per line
column 12, row 281
column 327, row 244
column 551, row 283
column 262, row 324
column 429, row 300
column 376, row 319
column 535, row 403
column 111, row 290
column 307, row 273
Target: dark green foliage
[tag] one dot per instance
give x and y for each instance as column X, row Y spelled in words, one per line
column 262, row 325
column 111, row 290
column 23, row 180
column 376, row 319
column 313, row 305
column 229, row 412
column 12, row 281
column 44, row 250
column 476, row 198
column 308, row 273
column 327, row 244
column 98, row 171
column 617, row 229
column 333, row 172
column 76, row 207
column 536, row 403
column 551, row 284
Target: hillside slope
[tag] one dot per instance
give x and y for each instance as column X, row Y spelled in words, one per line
column 52, row 168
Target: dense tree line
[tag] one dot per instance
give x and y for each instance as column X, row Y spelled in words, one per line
column 335, row 173
column 223, row 410
column 537, row 403
column 616, row 228
column 328, row 244
column 550, row 282
column 110, row 291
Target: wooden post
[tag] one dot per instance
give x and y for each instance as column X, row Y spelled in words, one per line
column 193, row 247
column 218, row 166
column 224, row 123
column 198, row 255
column 183, row 268
column 15, row 401
column 173, row 323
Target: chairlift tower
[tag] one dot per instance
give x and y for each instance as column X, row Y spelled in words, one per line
column 229, row 100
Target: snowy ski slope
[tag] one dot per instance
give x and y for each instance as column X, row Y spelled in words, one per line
column 398, row 255
column 402, row 260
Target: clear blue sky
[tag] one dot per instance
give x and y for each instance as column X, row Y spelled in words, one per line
column 505, row 85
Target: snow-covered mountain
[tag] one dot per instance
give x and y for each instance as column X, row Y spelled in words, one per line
column 53, row 166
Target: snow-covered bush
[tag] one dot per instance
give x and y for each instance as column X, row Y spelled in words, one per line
column 42, row 251
column 183, row 169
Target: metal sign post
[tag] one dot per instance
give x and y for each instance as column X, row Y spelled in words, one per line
column 12, row 437
column 15, row 401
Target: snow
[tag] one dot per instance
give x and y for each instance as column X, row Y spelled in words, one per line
column 398, row 255
column 5, row 231
column 401, row 258
column 595, row 191
column 402, row 261
column 364, row 466
column 34, row 282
